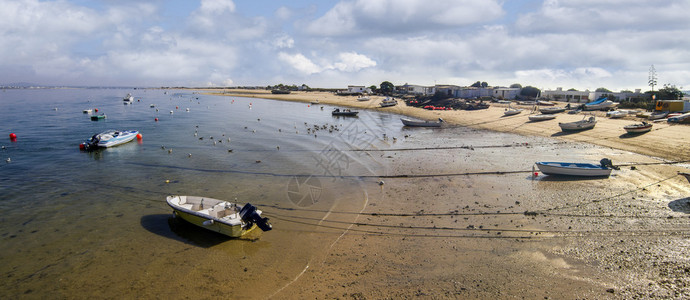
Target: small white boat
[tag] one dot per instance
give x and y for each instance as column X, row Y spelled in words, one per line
column 88, row 111
column 616, row 114
column 388, row 102
column 414, row 123
column 638, row 128
column 658, row 115
column 684, row 118
column 541, row 117
column 512, row 111
column 576, row 169
column 551, row 110
column 314, row 102
column 344, row 112
column 109, row 138
column 218, row 215
column 128, row 98
column 545, row 103
column 363, row 98
column 601, row 104
column 579, row 125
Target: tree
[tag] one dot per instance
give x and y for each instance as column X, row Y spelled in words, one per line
column 603, row 90
column 530, row 91
column 484, row 84
column 516, row 86
column 477, row 84
column 386, row 87
column 572, row 90
column 669, row 92
column 373, row 88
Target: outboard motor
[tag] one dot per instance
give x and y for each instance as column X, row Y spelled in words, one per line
column 91, row 144
column 248, row 214
column 607, row 163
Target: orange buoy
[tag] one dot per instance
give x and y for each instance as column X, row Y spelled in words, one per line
column 139, row 136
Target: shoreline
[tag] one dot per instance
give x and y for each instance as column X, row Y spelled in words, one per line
column 665, row 141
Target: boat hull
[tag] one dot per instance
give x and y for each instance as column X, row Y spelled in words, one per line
column 575, row 126
column 686, row 175
column 573, row 169
column 542, row 117
column 552, row 110
column 413, row 123
column 638, row 128
column 512, row 112
column 124, row 137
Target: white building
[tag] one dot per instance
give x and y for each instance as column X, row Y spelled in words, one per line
column 358, row 89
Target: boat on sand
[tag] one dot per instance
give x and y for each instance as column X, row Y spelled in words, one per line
column 541, row 117
column 388, row 102
column 686, row 175
column 579, row 125
column 551, row 110
column 603, row 169
column 414, row 123
column 217, row 215
column 512, row 111
column 638, row 128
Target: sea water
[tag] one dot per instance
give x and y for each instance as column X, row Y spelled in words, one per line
column 85, row 224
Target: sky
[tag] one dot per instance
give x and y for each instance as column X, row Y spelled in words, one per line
column 581, row 44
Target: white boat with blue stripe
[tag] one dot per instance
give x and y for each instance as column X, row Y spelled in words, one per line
column 576, row 169
column 109, row 138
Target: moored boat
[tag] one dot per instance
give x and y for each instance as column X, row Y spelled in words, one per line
column 414, row 123
column 541, row 117
column 109, row 138
column 128, row 98
column 638, row 128
column 576, row 169
column 363, row 98
column 221, row 216
column 388, row 102
column 344, row 112
column 579, row 125
column 551, row 110
column 87, row 111
column 98, row 117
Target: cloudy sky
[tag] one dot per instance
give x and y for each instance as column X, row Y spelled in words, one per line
column 582, row 44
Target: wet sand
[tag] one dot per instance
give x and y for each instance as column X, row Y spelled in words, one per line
column 510, row 235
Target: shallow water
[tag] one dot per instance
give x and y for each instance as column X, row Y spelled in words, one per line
column 95, row 224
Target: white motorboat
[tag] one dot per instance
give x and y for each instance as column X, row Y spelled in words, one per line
column 344, row 112
column 109, row 138
column 658, row 115
column 601, row 104
column 576, row 169
column 541, row 117
column 128, row 98
column 388, row 102
column 638, row 128
column 363, row 98
column 414, row 123
column 616, row 114
column 579, row 125
column 683, row 118
column 218, row 215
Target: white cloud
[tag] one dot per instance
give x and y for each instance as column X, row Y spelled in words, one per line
column 353, row 62
column 354, row 17
column 299, row 62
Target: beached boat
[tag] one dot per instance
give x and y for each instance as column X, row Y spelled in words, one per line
column 109, row 138
column 686, row 175
column 344, row 113
column 128, row 98
column 541, row 117
column 579, row 125
column 684, row 118
column 98, row 117
column 576, row 169
column 601, row 104
column 314, row 102
column 551, row 110
column 545, row 103
column 363, row 98
column 280, row 92
column 638, row 128
column 388, row 102
column 512, row 111
column 218, row 215
column 616, row 114
column 658, row 115
column 414, row 123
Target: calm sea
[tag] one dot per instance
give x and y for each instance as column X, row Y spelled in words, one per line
column 95, row 224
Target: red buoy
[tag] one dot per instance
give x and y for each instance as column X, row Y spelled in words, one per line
column 536, row 174
column 156, row 119
column 139, row 136
column 13, row 137
column 96, row 110
column 82, row 147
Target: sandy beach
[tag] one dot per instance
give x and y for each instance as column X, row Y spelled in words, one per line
column 499, row 236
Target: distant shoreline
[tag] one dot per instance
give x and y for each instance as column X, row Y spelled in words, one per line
column 664, row 141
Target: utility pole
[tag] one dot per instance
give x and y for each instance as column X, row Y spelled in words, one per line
column 652, row 77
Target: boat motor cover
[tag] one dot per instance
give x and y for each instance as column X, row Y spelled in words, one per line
column 248, row 214
column 607, row 163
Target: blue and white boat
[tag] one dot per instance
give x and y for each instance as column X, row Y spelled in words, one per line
column 576, row 169
column 109, row 138
column 600, row 104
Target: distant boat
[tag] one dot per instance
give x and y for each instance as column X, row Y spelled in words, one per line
column 576, row 169
column 363, row 98
column 552, row 110
column 280, row 91
column 388, row 102
column 541, row 117
column 88, row 111
column 686, row 175
column 579, row 125
column 545, row 103
column 98, row 117
column 414, row 123
column 638, row 128
column 345, row 112
column 512, row 111
column 217, row 215
column 601, row 104
column 128, row 98
column 684, row 118
column 314, row 102
column 109, row 138
column 657, row 115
